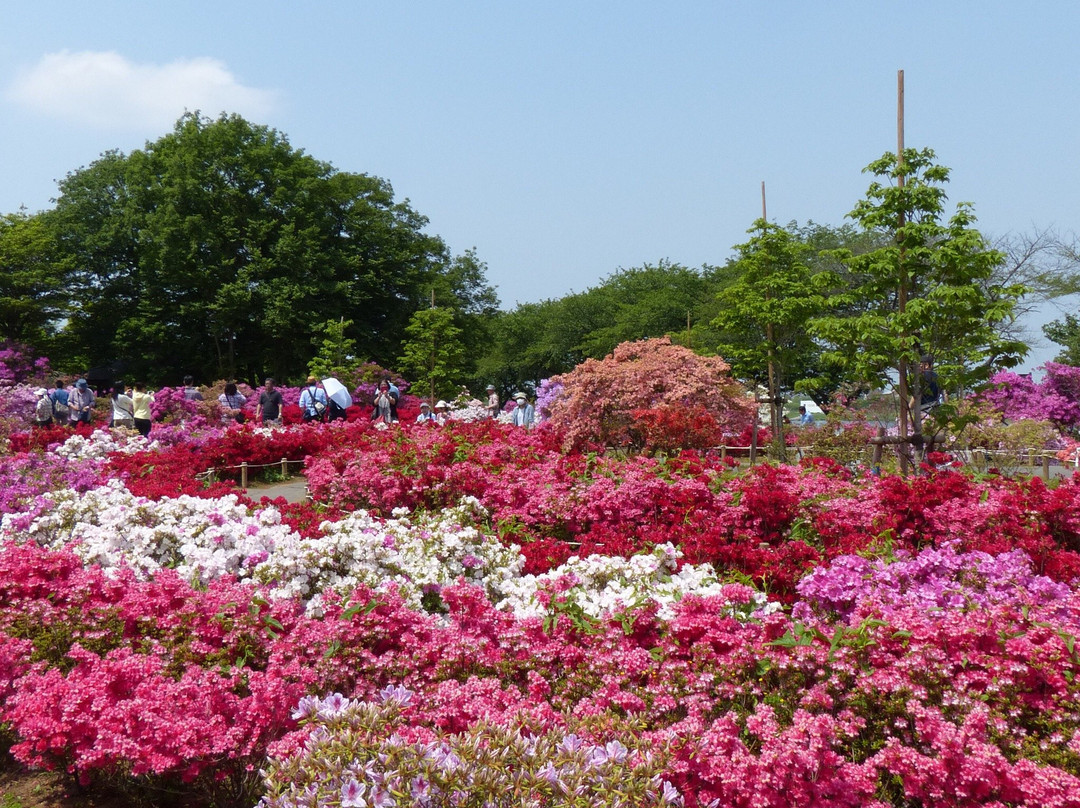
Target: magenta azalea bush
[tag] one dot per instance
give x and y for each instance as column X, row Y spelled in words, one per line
column 469, row 615
column 1056, row 398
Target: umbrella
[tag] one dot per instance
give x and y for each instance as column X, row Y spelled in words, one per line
column 337, row 393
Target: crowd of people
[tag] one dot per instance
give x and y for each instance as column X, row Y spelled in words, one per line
column 70, row 406
column 131, row 405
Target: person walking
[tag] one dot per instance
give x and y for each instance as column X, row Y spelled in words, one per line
column 123, row 409
column 60, row 408
column 191, row 392
column 492, row 401
column 43, row 409
column 142, row 415
column 523, row 412
column 232, row 403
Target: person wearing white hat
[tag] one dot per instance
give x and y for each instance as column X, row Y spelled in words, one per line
column 43, row 409
column 442, row 412
column 523, row 412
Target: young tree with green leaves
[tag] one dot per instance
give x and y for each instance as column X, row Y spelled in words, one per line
column 1066, row 333
column 925, row 291
column 336, row 356
column 433, row 355
column 766, row 310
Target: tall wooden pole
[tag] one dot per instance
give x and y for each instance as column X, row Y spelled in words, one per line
column 902, row 290
column 763, row 214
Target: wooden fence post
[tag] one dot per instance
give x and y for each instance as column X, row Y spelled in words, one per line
column 244, row 474
column 284, row 467
column 1046, row 467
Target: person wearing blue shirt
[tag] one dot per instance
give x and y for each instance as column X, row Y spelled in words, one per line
column 805, row 418
column 426, row 416
column 313, row 400
column 60, row 398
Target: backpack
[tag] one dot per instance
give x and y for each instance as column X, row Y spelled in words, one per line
column 60, row 409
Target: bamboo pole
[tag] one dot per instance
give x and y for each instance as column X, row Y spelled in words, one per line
column 902, row 290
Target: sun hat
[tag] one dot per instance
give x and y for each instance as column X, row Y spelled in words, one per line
column 41, row 391
column 81, row 384
column 490, row 387
column 424, row 405
column 441, row 405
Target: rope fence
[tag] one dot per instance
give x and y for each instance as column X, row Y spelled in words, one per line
column 245, row 468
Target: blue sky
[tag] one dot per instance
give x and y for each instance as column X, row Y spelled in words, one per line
column 567, row 140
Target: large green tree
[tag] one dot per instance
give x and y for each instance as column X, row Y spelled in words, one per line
column 925, row 290
column 31, row 281
column 221, row 250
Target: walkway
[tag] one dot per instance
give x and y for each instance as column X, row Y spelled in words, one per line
column 294, row 490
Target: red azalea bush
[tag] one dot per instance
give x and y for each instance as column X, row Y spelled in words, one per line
column 771, row 524
column 669, row 428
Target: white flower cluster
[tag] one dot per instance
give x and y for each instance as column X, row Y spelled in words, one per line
column 600, row 585
column 202, row 539
column 103, row 442
column 418, row 553
column 474, row 410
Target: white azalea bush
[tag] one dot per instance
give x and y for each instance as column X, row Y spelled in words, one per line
column 202, row 539
column 599, row 585
column 206, row 538
column 419, row 553
column 102, row 443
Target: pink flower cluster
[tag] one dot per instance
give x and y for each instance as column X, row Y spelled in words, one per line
column 952, row 706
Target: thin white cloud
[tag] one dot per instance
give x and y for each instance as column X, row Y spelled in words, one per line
column 105, row 90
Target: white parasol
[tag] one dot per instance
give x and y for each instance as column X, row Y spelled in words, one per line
column 337, row 393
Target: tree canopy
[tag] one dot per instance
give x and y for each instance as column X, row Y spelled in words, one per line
column 221, row 250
